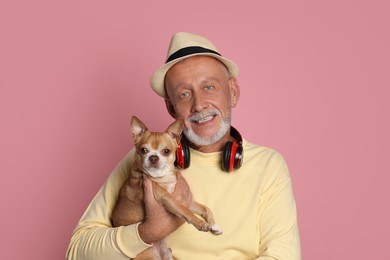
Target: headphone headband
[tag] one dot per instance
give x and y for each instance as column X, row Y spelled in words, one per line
column 236, row 135
column 232, row 156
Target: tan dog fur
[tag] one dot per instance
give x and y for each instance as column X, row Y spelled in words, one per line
column 155, row 157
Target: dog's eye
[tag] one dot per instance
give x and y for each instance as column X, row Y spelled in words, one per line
column 143, row 150
column 166, row 151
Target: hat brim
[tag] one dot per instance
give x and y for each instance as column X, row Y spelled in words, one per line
column 158, row 78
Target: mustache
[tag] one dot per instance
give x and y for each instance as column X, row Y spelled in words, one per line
column 200, row 115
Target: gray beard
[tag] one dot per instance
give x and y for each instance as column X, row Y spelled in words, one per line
column 201, row 141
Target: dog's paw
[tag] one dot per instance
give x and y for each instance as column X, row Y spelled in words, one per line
column 202, row 226
column 166, row 253
column 215, row 229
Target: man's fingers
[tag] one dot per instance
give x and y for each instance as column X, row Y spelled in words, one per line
column 150, row 201
column 147, row 182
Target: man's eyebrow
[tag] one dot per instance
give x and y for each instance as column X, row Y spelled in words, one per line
column 210, row 79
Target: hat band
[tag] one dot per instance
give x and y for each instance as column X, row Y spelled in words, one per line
column 188, row 51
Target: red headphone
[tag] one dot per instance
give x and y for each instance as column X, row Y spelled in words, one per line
column 232, row 156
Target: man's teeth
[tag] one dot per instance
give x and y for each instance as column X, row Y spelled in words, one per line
column 205, row 119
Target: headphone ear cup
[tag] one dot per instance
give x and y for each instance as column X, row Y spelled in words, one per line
column 227, row 157
column 186, row 153
column 183, row 155
column 238, row 157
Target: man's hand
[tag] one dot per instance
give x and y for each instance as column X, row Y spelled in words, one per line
column 158, row 222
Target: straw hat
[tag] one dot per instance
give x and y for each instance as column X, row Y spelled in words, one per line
column 184, row 45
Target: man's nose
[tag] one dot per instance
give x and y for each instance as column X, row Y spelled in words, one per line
column 199, row 103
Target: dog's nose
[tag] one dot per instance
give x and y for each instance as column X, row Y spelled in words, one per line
column 153, row 159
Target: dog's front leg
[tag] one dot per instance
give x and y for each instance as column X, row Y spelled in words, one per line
column 207, row 214
column 172, row 205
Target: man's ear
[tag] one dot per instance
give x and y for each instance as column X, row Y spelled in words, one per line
column 170, row 108
column 234, row 91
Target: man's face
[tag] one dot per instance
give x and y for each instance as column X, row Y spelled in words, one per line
column 200, row 92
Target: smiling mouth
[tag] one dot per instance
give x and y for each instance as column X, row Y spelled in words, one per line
column 204, row 119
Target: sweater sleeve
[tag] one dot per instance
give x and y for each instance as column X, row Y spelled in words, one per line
column 94, row 237
column 279, row 235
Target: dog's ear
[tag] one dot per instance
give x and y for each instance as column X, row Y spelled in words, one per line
column 137, row 129
column 175, row 130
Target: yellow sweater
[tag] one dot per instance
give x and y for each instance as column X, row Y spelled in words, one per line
column 254, row 206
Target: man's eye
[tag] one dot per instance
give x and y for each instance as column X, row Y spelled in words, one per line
column 184, row 95
column 208, row 87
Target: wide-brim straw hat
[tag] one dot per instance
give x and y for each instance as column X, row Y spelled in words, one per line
column 182, row 46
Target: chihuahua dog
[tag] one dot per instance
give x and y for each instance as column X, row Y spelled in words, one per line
column 155, row 157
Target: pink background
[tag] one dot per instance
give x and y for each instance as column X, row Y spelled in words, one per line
column 314, row 82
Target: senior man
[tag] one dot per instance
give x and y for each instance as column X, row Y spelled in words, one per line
column 247, row 186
